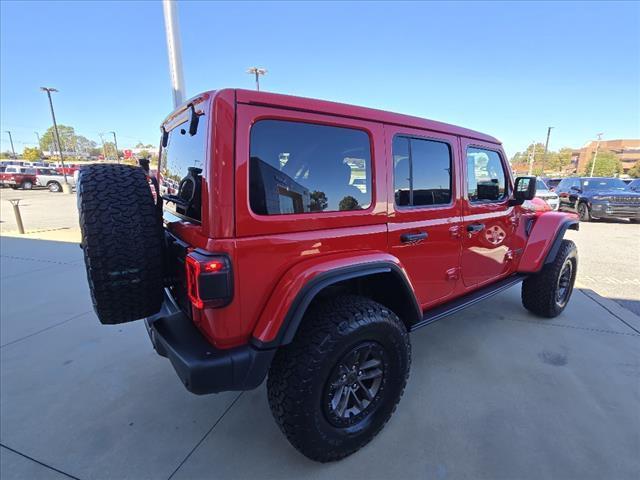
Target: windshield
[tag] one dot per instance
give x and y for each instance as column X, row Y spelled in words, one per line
column 540, row 185
column 603, row 184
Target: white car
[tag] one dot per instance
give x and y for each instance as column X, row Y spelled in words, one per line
column 52, row 179
column 543, row 192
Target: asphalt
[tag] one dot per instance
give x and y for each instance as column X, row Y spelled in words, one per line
column 494, row 393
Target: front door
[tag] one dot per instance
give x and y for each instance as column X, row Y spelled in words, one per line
column 489, row 221
column 425, row 209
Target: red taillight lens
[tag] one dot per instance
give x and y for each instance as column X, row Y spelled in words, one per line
column 209, row 281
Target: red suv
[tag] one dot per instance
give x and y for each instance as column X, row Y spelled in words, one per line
column 304, row 240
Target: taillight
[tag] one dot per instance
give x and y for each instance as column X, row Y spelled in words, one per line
column 209, row 280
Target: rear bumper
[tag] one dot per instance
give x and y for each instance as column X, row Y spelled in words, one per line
column 202, row 368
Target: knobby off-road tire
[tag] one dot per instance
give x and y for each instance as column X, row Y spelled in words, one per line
column 122, row 240
column 307, row 375
column 547, row 293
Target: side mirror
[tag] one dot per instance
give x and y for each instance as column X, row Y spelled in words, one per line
column 576, row 189
column 524, row 189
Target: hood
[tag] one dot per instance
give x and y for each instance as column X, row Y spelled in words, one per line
column 613, row 193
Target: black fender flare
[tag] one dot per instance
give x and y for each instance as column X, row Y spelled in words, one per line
column 312, row 288
column 567, row 224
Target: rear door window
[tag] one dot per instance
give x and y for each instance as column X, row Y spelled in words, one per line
column 421, row 172
column 297, row 167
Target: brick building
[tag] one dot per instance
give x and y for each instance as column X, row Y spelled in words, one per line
column 627, row 150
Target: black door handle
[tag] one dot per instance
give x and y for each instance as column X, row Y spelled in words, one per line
column 413, row 237
column 475, row 227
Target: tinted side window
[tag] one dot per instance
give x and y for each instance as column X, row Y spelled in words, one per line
column 299, row 167
column 486, row 178
column 562, row 186
column 421, row 172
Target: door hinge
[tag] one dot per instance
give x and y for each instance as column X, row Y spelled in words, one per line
column 453, row 273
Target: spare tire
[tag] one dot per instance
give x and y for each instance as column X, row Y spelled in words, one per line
column 122, row 240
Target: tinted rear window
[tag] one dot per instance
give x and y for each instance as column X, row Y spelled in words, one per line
column 182, row 151
column 302, row 167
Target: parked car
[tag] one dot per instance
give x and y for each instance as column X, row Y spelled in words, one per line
column 551, row 183
column 634, row 185
column 598, row 197
column 274, row 261
column 543, row 192
column 15, row 176
column 52, row 179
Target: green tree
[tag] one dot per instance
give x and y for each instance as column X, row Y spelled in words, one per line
column 32, row 154
column 348, row 203
column 521, row 159
column 318, row 201
column 5, row 154
column 607, row 165
column 635, row 170
column 71, row 142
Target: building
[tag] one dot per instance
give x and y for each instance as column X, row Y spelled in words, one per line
column 627, row 150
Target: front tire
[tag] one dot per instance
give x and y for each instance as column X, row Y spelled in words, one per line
column 337, row 384
column 27, row 185
column 547, row 292
column 584, row 213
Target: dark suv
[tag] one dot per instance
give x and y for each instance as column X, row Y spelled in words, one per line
column 302, row 241
column 598, row 197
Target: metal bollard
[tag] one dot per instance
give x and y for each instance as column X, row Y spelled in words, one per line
column 16, row 211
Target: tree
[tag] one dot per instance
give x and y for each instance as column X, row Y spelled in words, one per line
column 5, row 154
column 521, row 159
column 318, row 201
column 71, row 142
column 31, row 154
column 607, row 165
column 348, row 203
column 635, row 170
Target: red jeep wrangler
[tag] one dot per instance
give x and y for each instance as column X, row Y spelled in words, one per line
column 305, row 240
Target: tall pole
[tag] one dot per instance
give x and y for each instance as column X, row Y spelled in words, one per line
column 115, row 143
column 11, row 141
column 532, row 158
column 257, row 71
column 595, row 155
column 55, row 128
column 546, row 148
column 174, row 50
column 104, row 148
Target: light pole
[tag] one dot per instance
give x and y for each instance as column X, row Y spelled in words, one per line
column 104, row 149
column 174, row 49
column 11, row 141
column 257, row 71
column 55, row 128
column 115, row 143
column 546, row 147
column 532, row 158
column 595, row 155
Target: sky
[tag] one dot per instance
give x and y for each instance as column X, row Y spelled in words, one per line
column 507, row 69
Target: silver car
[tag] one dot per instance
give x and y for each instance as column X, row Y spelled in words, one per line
column 543, row 192
column 52, row 179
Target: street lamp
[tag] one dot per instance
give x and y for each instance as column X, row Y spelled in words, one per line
column 115, row 143
column 11, row 141
column 546, row 147
column 257, row 71
column 55, row 128
column 595, row 155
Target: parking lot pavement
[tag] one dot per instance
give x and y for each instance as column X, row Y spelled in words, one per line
column 610, row 260
column 494, row 393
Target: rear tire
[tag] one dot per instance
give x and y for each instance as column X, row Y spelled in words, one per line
column 27, row 185
column 547, row 293
column 337, row 384
column 54, row 187
column 122, row 239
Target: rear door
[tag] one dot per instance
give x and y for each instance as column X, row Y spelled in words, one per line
column 489, row 221
column 425, row 209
